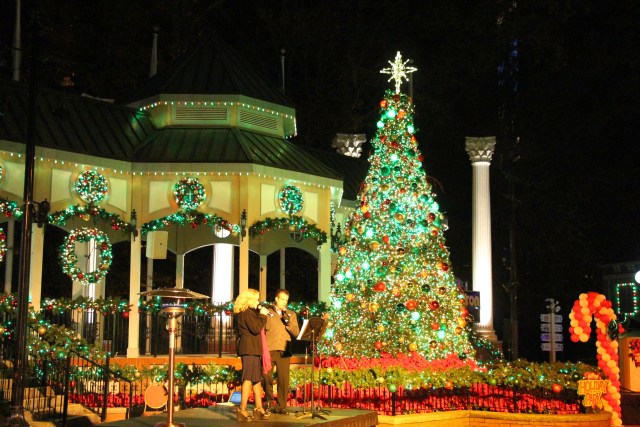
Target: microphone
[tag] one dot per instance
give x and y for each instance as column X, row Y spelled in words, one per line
column 270, row 314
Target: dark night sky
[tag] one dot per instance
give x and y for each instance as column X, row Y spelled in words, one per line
column 576, row 110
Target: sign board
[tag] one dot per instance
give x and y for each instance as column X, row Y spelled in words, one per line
column 592, row 390
column 472, row 301
column 546, row 346
column 547, row 337
column 557, row 318
column 546, row 327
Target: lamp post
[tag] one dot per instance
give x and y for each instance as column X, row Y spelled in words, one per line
column 173, row 300
column 243, row 224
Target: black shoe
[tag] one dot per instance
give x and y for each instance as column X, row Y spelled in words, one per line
column 282, row 411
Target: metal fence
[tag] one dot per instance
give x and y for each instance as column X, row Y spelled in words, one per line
column 197, row 334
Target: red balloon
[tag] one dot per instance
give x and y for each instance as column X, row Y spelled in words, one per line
column 575, row 338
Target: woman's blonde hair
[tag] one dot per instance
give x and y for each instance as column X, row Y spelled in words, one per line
column 244, row 299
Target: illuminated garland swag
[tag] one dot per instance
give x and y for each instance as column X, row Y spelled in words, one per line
column 191, row 218
column 293, row 223
column 86, row 213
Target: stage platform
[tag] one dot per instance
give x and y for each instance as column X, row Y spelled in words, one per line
column 223, row 416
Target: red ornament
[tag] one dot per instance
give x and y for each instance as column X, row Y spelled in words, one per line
column 411, row 305
column 435, row 326
column 385, row 239
column 383, row 103
column 194, row 225
column 378, row 345
column 380, row 287
column 367, row 214
column 434, row 305
column 125, row 314
column 557, row 388
column 448, row 385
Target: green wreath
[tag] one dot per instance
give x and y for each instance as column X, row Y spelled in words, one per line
column 291, row 200
column 69, row 259
column 91, row 186
column 189, row 193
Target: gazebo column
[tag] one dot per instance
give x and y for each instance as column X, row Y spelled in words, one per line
column 244, row 264
column 180, row 285
column 180, row 271
column 8, row 258
column 480, row 151
column 263, row 278
column 283, row 268
column 79, row 290
column 222, row 278
column 148, row 320
column 324, row 272
column 135, row 266
column 35, row 269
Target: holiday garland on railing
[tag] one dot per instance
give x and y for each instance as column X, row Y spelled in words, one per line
column 69, row 260
column 191, row 218
column 86, row 213
column 294, row 224
column 10, row 209
column 104, row 306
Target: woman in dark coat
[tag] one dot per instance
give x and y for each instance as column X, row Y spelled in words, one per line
column 251, row 320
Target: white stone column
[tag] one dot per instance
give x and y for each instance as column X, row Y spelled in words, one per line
column 35, row 269
column 480, row 151
column 283, row 268
column 8, row 257
column 324, row 272
column 135, row 266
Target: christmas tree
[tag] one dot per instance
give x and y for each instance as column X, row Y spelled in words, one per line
column 394, row 291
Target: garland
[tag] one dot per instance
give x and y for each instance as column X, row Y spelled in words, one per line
column 193, row 219
column 60, row 218
column 291, row 200
column 105, row 306
column 3, row 245
column 10, row 209
column 91, row 186
column 69, row 260
column 294, row 224
column 189, row 193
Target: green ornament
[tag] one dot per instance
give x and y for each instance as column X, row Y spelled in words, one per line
column 393, row 388
column 426, row 288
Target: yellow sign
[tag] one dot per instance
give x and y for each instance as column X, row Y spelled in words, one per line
column 592, row 390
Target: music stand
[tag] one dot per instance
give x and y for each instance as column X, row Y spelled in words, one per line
column 312, row 328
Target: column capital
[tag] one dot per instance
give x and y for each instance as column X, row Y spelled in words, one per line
column 480, row 149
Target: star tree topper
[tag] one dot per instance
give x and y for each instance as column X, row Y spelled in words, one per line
column 398, row 71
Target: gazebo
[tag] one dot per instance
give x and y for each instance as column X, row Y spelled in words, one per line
column 200, row 156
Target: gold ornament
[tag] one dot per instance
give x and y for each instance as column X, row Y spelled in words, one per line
column 373, row 307
column 399, row 217
column 380, row 328
column 413, row 346
column 42, row 330
column 350, row 297
column 374, row 246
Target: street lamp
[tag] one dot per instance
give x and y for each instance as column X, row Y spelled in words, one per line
column 243, row 224
column 173, row 300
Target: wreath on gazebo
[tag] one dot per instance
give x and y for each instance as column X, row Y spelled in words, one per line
column 69, row 259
